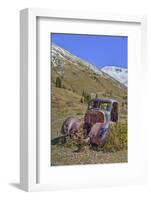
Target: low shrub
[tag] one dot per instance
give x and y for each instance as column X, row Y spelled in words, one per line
column 117, row 139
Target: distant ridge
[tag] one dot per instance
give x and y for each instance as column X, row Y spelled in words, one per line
column 60, row 57
column 118, row 73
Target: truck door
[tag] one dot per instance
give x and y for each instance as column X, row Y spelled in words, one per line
column 114, row 112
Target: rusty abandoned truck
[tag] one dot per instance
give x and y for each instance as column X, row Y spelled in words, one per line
column 99, row 114
column 100, row 110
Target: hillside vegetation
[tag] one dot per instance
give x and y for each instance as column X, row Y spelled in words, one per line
column 73, row 83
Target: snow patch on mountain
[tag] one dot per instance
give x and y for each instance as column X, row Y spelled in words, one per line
column 118, row 73
column 59, row 56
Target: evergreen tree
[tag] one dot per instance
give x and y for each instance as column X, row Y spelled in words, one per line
column 81, row 100
column 58, row 82
column 122, row 104
column 88, row 97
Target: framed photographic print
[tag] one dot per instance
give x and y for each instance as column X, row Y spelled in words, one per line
column 81, row 93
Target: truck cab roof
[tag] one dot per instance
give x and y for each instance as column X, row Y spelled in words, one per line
column 103, row 100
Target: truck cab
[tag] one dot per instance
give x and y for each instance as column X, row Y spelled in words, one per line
column 102, row 110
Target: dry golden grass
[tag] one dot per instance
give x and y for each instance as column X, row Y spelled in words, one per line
column 117, row 139
column 76, row 151
column 65, row 102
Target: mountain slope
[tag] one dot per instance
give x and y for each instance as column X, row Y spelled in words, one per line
column 60, row 55
column 118, row 73
column 77, row 76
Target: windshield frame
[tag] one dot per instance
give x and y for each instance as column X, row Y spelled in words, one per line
column 95, row 104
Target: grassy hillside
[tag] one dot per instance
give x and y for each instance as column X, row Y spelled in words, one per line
column 74, row 80
column 78, row 78
column 65, row 103
column 75, row 77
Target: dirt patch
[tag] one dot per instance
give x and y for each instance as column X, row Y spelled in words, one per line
column 62, row 155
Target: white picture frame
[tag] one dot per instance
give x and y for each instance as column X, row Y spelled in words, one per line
column 29, row 141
